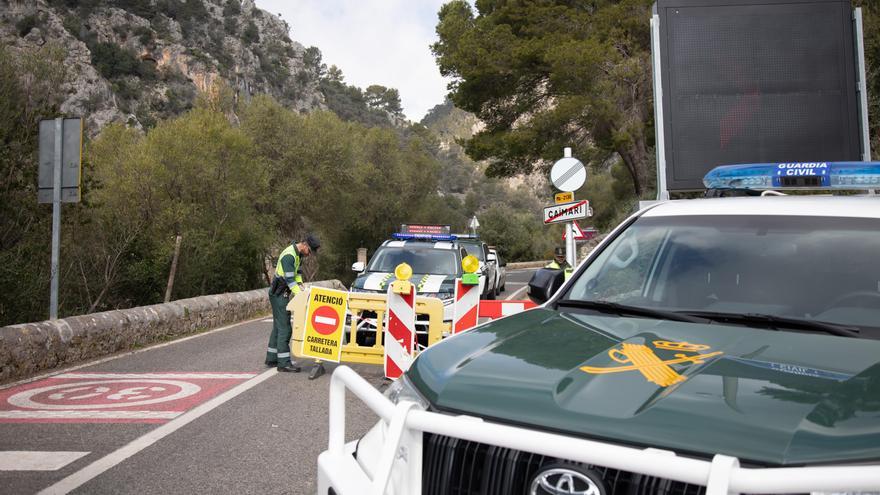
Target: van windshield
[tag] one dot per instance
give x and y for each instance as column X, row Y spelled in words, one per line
column 424, row 261
column 821, row 269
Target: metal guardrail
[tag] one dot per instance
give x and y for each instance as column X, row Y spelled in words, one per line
column 721, row 476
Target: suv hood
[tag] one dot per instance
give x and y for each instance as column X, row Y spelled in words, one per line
column 425, row 283
column 769, row 397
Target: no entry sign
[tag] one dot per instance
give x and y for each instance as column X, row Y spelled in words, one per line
column 325, row 321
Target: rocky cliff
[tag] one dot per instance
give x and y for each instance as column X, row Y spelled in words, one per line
column 137, row 61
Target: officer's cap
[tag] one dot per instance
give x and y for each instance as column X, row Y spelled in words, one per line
column 313, row 242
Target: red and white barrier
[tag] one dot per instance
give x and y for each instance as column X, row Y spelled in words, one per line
column 500, row 309
column 401, row 330
column 466, row 306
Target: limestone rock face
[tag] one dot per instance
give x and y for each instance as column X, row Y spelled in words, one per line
column 137, row 61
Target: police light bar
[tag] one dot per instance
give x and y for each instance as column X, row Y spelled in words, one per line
column 430, row 237
column 795, row 175
column 421, row 229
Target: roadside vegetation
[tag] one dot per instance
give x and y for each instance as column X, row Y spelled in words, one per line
column 238, row 179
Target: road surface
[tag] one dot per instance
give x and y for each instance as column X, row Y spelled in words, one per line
column 202, row 415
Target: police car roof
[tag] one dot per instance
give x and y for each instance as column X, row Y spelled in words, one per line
column 811, row 206
column 419, row 243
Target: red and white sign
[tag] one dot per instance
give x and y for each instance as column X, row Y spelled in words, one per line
column 576, row 232
column 400, row 333
column 566, row 211
column 466, row 306
column 500, row 309
column 112, row 397
column 325, row 320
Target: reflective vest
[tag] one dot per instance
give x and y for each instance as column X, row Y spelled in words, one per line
column 289, row 268
column 555, row 266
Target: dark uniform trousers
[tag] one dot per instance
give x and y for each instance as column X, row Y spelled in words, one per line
column 279, row 340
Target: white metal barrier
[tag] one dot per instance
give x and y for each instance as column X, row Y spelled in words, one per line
column 721, row 476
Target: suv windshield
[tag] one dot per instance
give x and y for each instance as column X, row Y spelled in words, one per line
column 813, row 268
column 425, row 260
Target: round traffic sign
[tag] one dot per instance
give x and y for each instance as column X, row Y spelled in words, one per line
column 568, row 174
column 325, row 320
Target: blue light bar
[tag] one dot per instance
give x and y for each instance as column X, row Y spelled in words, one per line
column 795, row 175
column 423, row 237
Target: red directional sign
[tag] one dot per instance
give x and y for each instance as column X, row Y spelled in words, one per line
column 112, row 397
column 325, row 320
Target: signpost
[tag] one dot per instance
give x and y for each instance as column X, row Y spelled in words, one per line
column 566, row 212
column 325, row 321
column 59, row 181
column 568, row 174
column 564, row 197
column 576, row 231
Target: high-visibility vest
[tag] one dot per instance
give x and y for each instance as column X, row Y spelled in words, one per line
column 555, row 266
column 288, row 268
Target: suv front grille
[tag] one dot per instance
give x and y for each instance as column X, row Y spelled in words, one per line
column 451, row 466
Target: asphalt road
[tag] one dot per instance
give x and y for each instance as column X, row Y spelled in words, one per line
column 248, row 430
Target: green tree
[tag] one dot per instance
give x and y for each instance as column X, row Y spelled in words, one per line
column 28, row 93
column 544, row 75
column 382, row 98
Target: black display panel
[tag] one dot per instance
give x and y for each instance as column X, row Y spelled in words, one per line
column 752, row 81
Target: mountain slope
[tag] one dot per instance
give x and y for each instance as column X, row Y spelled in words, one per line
column 138, row 61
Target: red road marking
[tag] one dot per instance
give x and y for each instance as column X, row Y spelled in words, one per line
column 325, row 320
column 112, row 397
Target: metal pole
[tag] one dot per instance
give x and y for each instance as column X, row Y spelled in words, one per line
column 660, row 138
column 862, row 85
column 569, row 244
column 56, row 219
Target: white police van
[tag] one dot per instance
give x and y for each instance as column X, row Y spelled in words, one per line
column 707, row 346
column 434, row 255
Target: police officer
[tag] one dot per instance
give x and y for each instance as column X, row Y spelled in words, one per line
column 560, row 263
column 288, row 280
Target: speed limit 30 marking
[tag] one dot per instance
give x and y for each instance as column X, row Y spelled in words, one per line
column 112, row 397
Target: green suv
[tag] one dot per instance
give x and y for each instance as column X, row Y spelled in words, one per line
column 707, row 346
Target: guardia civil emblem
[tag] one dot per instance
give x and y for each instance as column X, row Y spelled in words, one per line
column 642, row 358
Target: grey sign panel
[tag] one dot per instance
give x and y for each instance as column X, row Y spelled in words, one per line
column 749, row 81
column 71, row 160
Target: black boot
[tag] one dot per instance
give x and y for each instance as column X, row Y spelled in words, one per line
column 317, row 370
column 289, row 368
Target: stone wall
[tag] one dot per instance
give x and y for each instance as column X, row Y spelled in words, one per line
column 29, row 348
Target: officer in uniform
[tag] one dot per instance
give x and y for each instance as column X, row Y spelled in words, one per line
column 560, row 263
column 288, row 280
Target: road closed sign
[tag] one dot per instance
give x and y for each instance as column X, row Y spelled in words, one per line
column 325, row 322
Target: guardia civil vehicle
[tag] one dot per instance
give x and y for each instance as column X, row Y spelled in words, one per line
column 433, row 253
column 706, row 346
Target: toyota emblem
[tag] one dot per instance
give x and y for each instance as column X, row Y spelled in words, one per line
column 565, row 481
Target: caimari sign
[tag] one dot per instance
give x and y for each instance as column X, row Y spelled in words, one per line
column 325, row 323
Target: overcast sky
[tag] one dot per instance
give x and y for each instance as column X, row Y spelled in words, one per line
column 374, row 42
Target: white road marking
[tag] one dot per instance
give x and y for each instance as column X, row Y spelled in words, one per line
column 160, row 376
column 89, row 414
column 32, row 460
column 125, row 354
column 516, row 293
column 103, row 464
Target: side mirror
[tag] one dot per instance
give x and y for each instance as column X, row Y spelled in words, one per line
column 358, row 266
column 503, row 263
column 544, row 283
